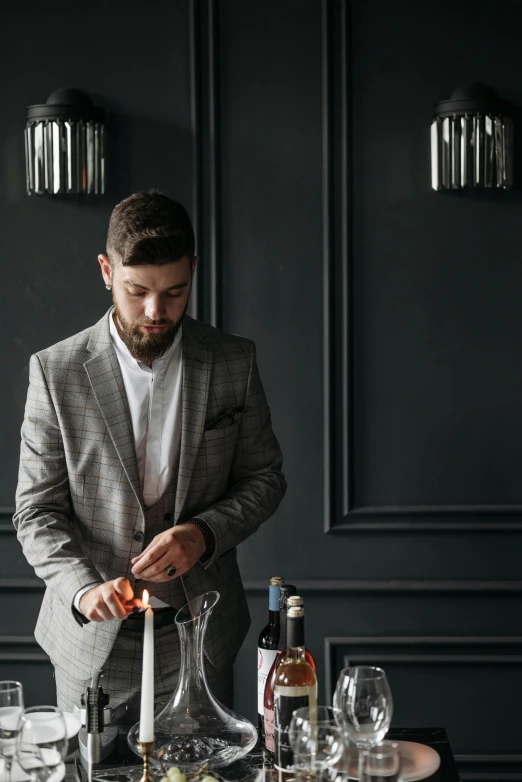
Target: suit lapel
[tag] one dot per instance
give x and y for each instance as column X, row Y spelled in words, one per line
column 103, row 371
column 197, row 370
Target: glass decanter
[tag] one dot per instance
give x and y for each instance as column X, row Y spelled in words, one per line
column 195, row 729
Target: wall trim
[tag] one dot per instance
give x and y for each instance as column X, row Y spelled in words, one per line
column 16, row 655
column 12, row 640
column 24, row 657
column 327, row 249
column 340, row 514
column 195, row 127
column 429, row 518
column 472, row 768
column 431, row 656
column 394, row 586
column 21, row 584
column 214, row 254
column 204, row 68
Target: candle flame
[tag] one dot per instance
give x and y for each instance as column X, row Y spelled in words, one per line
column 145, row 599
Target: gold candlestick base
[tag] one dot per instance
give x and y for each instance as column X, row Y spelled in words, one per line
column 146, row 748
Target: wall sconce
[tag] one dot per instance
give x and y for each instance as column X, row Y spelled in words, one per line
column 472, row 140
column 65, row 145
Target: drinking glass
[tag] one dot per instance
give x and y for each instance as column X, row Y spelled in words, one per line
column 380, row 763
column 41, row 743
column 317, row 744
column 11, row 706
column 363, row 704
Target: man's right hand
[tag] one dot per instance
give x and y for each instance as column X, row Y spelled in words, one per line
column 111, row 600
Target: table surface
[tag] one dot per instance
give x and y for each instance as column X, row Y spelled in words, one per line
column 247, row 769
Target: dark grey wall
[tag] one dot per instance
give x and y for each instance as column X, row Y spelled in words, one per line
column 386, row 316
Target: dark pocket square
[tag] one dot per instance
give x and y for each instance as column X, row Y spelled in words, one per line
column 229, row 416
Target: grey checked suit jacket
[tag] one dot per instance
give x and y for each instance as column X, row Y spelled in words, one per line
column 79, row 502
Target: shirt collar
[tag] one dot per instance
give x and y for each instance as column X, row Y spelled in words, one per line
column 122, row 348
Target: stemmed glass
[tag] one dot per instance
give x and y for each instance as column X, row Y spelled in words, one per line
column 363, row 705
column 317, row 744
column 11, row 706
column 41, row 743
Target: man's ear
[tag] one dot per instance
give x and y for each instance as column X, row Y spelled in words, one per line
column 106, row 269
column 194, row 263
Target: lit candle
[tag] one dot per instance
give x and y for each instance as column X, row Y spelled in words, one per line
column 147, row 675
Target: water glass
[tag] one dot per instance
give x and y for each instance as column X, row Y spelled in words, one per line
column 41, row 743
column 380, row 763
column 317, row 744
column 11, row 707
column 363, row 704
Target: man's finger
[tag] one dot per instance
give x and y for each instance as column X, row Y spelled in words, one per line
column 151, row 545
column 161, row 577
column 115, row 606
column 103, row 611
column 153, row 555
column 157, row 567
column 123, row 589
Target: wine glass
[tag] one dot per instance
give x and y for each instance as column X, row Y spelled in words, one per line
column 380, row 763
column 363, row 704
column 41, row 743
column 11, row 706
column 317, row 744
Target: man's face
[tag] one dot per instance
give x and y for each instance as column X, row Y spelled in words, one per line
column 150, row 302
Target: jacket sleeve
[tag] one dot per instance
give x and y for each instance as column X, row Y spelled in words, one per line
column 43, row 518
column 257, row 484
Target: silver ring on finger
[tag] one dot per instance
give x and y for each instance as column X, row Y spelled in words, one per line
column 171, row 571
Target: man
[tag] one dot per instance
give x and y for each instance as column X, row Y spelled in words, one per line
column 147, row 456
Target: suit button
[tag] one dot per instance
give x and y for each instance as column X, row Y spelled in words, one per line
column 168, row 517
column 138, row 536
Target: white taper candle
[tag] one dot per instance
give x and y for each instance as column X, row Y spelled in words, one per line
column 147, row 676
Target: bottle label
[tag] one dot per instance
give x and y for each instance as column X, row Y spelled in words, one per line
column 269, row 730
column 264, row 662
column 286, row 701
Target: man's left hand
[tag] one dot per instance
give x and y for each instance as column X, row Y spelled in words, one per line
column 179, row 547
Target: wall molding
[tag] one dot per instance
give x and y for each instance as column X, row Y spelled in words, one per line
column 490, row 768
column 214, row 172
column 195, row 305
column 443, row 650
column 205, row 124
column 21, row 648
column 340, row 513
column 394, row 587
column 21, row 584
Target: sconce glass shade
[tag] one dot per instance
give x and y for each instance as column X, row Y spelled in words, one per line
column 472, row 140
column 65, row 145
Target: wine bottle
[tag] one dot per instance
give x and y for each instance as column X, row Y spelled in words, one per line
column 285, row 592
column 295, row 687
column 267, row 646
column 297, row 601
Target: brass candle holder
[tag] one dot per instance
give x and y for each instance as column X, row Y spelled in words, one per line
column 146, row 748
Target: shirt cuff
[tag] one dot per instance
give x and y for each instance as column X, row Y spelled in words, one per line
column 210, row 539
column 80, row 593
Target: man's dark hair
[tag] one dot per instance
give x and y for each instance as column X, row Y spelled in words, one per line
column 149, row 228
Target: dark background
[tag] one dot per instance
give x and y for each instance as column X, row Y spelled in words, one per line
column 387, row 317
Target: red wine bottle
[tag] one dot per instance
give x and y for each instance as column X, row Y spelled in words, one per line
column 286, row 591
column 267, row 646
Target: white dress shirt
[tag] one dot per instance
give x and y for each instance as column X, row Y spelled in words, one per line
column 154, row 397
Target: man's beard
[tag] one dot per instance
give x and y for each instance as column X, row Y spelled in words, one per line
column 146, row 347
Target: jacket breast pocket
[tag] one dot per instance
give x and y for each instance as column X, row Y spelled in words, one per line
column 215, row 455
column 221, row 439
